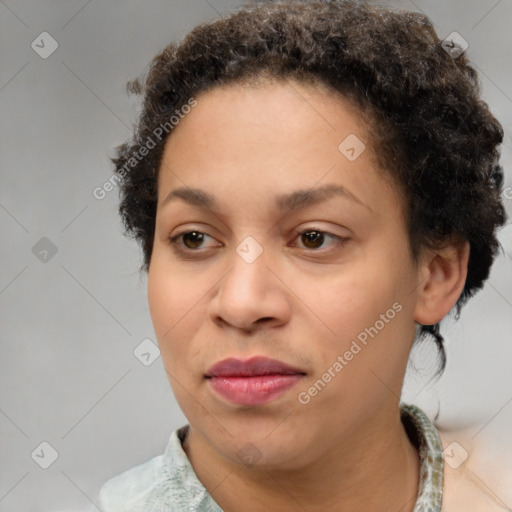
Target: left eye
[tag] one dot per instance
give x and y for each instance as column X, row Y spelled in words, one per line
column 315, row 238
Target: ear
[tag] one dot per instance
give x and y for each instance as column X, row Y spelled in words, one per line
column 442, row 274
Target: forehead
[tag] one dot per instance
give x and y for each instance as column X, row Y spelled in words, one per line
column 275, row 137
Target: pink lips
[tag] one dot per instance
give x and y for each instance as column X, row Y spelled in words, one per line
column 254, row 381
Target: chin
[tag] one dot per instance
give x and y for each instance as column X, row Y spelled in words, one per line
column 264, row 447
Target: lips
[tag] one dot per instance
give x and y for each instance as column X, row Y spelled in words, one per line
column 254, row 381
column 251, row 367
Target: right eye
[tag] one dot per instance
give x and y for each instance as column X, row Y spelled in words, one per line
column 189, row 241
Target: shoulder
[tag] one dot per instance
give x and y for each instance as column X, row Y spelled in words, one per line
column 165, row 482
column 130, row 490
column 464, row 487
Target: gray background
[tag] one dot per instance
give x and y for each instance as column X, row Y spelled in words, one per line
column 70, row 323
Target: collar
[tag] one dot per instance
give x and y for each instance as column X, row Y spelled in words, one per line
column 424, row 436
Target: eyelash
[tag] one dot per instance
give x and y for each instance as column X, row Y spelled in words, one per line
column 340, row 241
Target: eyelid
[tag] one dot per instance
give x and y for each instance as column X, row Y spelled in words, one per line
column 338, row 240
column 174, row 237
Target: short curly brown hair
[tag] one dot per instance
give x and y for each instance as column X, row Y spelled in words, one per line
column 430, row 130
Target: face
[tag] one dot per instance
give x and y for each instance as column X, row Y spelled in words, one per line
column 277, row 239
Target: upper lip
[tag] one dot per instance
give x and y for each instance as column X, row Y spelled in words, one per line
column 254, row 366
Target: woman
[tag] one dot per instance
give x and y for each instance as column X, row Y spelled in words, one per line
column 315, row 186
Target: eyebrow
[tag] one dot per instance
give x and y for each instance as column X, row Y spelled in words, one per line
column 296, row 200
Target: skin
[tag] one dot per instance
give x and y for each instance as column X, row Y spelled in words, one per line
column 301, row 303
column 479, row 484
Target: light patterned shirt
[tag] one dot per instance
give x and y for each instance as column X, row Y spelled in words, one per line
column 168, row 483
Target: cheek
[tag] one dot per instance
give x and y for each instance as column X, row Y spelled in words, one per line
column 174, row 295
column 347, row 303
column 161, row 300
column 367, row 344
column 370, row 304
column 173, row 311
column 176, row 316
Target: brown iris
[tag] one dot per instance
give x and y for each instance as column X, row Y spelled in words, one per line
column 194, row 237
column 315, row 238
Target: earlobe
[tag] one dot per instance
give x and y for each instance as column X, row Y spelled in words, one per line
column 441, row 276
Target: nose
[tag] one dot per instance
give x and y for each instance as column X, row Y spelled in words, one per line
column 251, row 296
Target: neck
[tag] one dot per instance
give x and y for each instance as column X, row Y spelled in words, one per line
column 369, row 470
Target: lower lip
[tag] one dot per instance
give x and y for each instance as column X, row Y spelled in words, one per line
column 253, row 390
